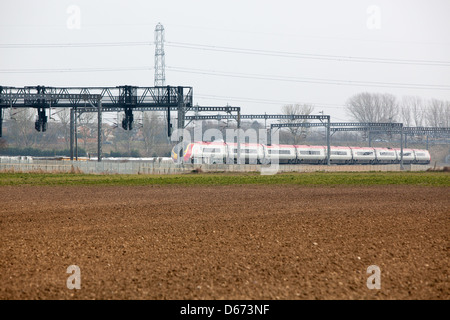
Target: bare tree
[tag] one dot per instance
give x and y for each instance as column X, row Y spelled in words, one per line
column 446, row 116
column 22, row 127
column 63, row 116
column 417, row 110
column 86, row 128
column 373, row 107
column 297, row 133
column 405, row 115
column 125, row 140
column 438, row 113
column 3, row 144
column 152, row 126
column 411, row 111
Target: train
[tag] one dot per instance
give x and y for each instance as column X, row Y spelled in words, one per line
column 253, row 153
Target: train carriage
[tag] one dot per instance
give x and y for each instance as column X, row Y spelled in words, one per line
column 363, row 155
column 408, row 155
column 340, row 155
column 422, row 156
column 210, row 152
column 286, row 154
column 221, row 152
column 385, row 155
column 251, row 153
column 311, row 154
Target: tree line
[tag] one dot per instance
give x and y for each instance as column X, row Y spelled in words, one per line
column 412, row 111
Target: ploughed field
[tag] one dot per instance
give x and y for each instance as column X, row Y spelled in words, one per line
column 224, row 241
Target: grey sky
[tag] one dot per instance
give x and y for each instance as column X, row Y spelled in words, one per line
column 258, row 81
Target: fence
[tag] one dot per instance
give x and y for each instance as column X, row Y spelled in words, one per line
column 27, row 164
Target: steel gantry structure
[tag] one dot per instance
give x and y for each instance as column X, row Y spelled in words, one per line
column 44, row 99
column 377, row 127
column 322, row 118
column 388, row 129
column 346, row 126
column 104, row 99
column 424, row 131
column 167, row 98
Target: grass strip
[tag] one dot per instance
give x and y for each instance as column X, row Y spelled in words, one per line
column 316, row 178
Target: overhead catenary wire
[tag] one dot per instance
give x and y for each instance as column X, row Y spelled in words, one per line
column 309, row 80
column 298, row 55
column 243, row 75
column 56, row 70
column 73, row 45
column 266, row 101
column 204, row 47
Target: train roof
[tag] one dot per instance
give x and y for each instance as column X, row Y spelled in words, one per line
column 208, row 143
column 307, row 146
column 223, row 143
column 365, row 148
column 281, row 146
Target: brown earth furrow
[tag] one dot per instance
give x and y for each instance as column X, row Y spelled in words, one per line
column 224, row 242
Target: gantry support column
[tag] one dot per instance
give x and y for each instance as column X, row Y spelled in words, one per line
column 1, row 114
column 75, row 123
column 99, row 133
column 401, row 148
column 1, row 121
column 238, row 160
column 328, row 140
column 71, row 134
column 180, row 124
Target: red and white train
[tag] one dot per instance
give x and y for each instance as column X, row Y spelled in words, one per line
column 221, row 152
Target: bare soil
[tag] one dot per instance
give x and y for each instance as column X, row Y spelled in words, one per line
column 224, row 242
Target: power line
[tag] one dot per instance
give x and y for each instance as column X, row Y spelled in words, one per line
column 309, row 80
column 72, row 45
column 298, row 55
column 240, row 75
column 267, row 101
column 144, row 68
column 194, row 46
column 312, row 36
column 228, row 30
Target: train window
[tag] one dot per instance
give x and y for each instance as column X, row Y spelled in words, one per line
column 339, row 153
column 366, row 153
column 246, row 151
column 310, row 152
column 407, row 154
column 279, row 151
column 211, row 150
column 386, row 153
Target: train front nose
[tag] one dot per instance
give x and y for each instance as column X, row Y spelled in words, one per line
column 174, row 155
column 179, row 152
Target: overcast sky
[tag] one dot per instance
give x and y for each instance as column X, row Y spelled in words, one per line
column 256, row 54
